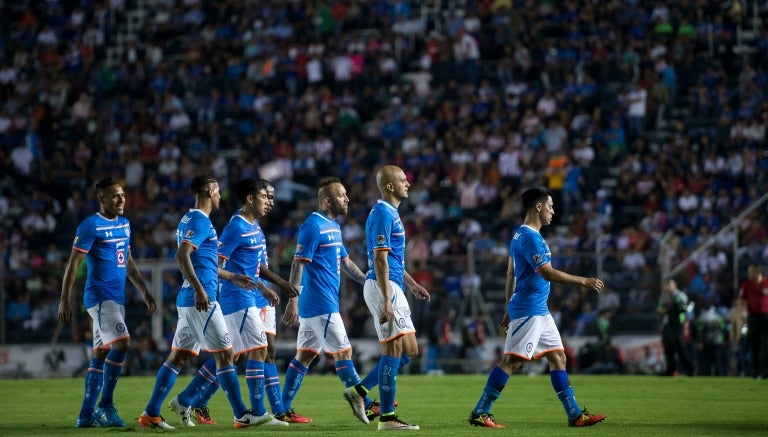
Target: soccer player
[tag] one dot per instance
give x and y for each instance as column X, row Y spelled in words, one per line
column 531, row 330
column 200, row 392
column 317, row 264
column 384, row 288
column 201, row 323
column 242, row 251
column 104, row 240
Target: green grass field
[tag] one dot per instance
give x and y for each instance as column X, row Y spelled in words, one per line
column 634, row 405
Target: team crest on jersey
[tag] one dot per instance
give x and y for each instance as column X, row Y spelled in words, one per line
column 537, row 258
column 380, row 239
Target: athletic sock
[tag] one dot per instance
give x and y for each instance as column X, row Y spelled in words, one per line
column 254, row 378
column 371, row 380
column 388, row 367
column 227, row 377
column 205, row 376
column 166, row 378
column 497, row 379
column 272, row 388
column 94, row 379
column 294, row 376
column 113, row 366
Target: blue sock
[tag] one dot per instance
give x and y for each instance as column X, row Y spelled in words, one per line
column 205, row 395
column 388, row 367
column 372, row 378
column 294, row 376
column 254, row 377
column 205, row 376
column 345, row 370
column 565, row 393
column 113, row 366
column 164, row 381
column 94, row 378
column 493, row 387
column 227, row 377
column 272, row 387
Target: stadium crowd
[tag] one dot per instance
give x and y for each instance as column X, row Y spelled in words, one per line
column 642, row 116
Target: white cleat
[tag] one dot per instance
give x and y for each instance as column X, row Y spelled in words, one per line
column 357, row 403
column 147, row 421
column 185, row 413
column 276, row 422
column 396, row 424
column 250, row 418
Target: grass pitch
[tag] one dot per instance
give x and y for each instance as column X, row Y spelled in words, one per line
column 634, row 405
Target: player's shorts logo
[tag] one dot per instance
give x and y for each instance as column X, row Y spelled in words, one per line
column 529, row 347
column 401, row 322
column 120, row 327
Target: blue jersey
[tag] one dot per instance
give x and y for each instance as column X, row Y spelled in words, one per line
column 530, row 253
column 195, row 228
column 319, row 243
column 385, row 231
column 244, row 247
column 106, row 243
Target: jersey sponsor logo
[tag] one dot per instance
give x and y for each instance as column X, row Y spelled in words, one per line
column 380, row 239
column 537, row 258
column 120, row 327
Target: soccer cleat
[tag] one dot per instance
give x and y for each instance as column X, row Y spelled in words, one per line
column 357, row 403
column 374, row 410
column 393, row 423
column 203, row 416
column 276, row 422
column 107, row 417
column 185, row 413
column 86, row 422
column 291, row 416
column 483, row 420
column 586, row 419
column 147, row 421
column 250, row 418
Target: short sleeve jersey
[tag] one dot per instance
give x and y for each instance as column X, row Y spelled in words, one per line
column 385, row 231
column 530, row 253
column 244, row 247
column 106, row 243
column 319, row 243
column 195, row 228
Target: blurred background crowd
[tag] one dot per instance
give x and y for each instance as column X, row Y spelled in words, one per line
column 646, row 118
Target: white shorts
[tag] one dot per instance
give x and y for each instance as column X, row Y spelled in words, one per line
column 533, row 336
column 108, row 324
column 247, row 329
column 198, row 330
column 323, row 333
column 267, row 315
column 401, row 324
